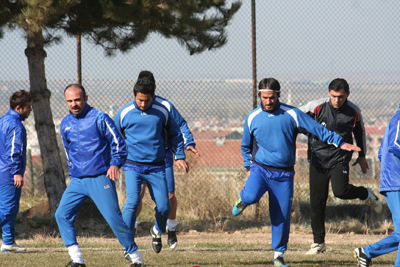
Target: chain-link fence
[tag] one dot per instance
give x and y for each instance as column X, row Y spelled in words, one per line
column 304, row 44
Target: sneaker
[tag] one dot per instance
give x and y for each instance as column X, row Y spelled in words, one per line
column 137, row 264
column 156, row 243
column 238, row 207
column 279, row 262
column 362, row 259
column 126, row 256
column 14, row 248
column 316, row 249
column 172, row 240
column 373, row 201
column 74, row 264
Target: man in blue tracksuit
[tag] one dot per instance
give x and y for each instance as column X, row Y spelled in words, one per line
column 268, row 149
column 95, row 151
column 146, row 125
column 169, row 161
column 389, row 156
column 12, row 165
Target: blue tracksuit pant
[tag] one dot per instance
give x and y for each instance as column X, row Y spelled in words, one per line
column 157, row 184
column 279, row 186
column 101, row 190
column 9, row 206
column 391, row 242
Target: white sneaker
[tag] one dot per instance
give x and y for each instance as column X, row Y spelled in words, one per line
column 373, row 201
column 316, row 249
column 14, row 248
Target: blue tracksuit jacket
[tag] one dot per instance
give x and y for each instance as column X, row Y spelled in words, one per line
column 186, row 133
column 92, row 143
column 389, row 155
column 146, row 133
column 269, row 138
column 12, row 147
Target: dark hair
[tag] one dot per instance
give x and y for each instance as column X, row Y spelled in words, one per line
column 270, row 83
column 144, row 86
column 145, row 74
column 338, row 84
column 20, row 98
column 77, row 85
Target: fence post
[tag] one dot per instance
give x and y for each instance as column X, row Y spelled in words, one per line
column 31, row 174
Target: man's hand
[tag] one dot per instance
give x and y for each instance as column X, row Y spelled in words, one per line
column 113, row 173
column 181, row 163
column 350, row 147
column 193, row 150
column 18, row 180
column 363, row 164
column 248, row 174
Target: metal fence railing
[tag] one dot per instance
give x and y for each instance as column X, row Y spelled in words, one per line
column 304, row 44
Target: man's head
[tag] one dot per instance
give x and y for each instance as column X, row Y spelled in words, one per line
column 145, row 74
column 21, row 102
column 338, row 92
column 269, row 92
column 76, row 98
column 144, row 93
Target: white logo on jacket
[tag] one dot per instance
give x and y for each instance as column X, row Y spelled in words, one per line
column 106, row 186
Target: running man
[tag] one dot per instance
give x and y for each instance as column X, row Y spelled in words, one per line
column 95, row 151
column 169, row 162
column 269, row 150
column 146, row 125
column 343, row 117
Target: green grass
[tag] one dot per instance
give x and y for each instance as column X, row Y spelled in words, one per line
column 250, row 247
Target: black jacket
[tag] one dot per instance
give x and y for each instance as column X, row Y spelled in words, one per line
column 345, row 121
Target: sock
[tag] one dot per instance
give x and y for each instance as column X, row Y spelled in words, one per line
column 278, row 254
column 158, row 233
column 171, row 224
column 76, row 254
column 136, row 223
column 135, row 256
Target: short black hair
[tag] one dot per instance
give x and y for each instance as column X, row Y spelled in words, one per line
column 338, row 84
column 144, row 86
column 145, row 74
column 270, row 83
column 77, row 85
column 20, row 98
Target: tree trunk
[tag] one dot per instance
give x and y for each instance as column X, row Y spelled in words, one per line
column 54, row 178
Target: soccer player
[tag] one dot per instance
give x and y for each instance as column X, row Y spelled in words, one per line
column 146, row 125
column 95, row 151
column 169, row 161
column 341, row 116
column 12, row 165
column 389, row 156
column 268, row 149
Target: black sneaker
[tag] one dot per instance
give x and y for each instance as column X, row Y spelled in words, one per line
column 74, row 264
column 156, row 243
column 172, row 240
column 362, row 259
column 137, row 264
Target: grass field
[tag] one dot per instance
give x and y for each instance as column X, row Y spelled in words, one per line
column 250, row 247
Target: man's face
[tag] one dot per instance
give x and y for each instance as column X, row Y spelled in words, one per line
column 269, row 100
column 338, row 97
column 24, row 111
column 75, row 100
column 143, row 101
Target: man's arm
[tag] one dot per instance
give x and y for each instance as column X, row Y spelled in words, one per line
column 178, row 145
column 118, row 147
column 361, row 139
column 246, row 146
column 394, row 147
column 14, row 147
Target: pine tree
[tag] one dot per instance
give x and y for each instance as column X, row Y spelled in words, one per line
column 116, row 25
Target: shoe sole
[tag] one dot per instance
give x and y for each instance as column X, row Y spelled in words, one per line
column 173, row 246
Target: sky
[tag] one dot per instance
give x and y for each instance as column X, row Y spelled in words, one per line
column 296, row 40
